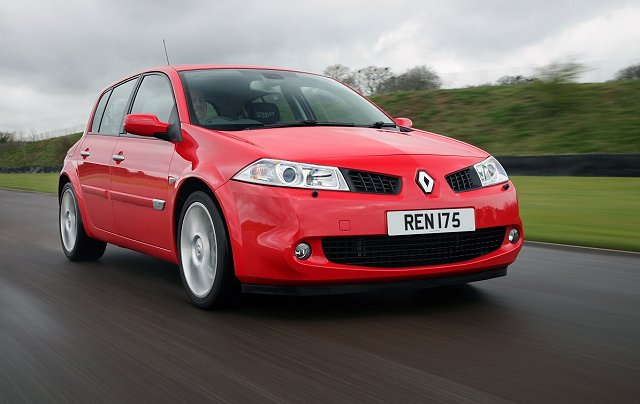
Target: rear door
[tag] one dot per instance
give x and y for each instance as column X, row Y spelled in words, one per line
column 96, row 152
column 140, row 185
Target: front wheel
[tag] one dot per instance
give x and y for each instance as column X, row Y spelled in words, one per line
column 76, row 244
column 205, row 259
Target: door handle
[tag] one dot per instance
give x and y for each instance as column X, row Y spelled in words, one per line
column 117, row 157
column 85, row 153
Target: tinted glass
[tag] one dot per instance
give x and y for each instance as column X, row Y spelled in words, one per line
column 114, row 112
column 328, row 106
column 154, row 97
column 237, row 99
column 97, row 118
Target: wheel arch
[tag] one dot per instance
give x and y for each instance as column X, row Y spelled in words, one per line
column 187, row 187
column 68, row 177
column 62, row 181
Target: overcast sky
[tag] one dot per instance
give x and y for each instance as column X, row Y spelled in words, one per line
column 57, row 55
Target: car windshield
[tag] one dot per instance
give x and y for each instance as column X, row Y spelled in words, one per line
column 239, row 99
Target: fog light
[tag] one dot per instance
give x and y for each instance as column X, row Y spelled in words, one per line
column 303, row 251
column 514, row 236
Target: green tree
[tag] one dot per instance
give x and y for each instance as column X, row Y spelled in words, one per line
column 416, row 78
column 6, row 137
column 629, row 73
column 561, row 72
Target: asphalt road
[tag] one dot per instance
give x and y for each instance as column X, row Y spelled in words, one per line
column 563, row 326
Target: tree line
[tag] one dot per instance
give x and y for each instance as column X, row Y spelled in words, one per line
column 373, row 80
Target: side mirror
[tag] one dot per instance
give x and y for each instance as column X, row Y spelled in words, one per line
column 406, row 122
column 145, row 125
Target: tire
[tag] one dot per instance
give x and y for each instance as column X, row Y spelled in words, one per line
column 76, row 245
column 206, row 266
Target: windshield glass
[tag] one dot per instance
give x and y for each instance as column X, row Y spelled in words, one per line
column 238, row 99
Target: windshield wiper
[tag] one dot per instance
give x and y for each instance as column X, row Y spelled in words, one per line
column 380, row 124
column 306, row 122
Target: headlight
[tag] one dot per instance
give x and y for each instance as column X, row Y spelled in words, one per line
column 491, row 172
column 282, row 173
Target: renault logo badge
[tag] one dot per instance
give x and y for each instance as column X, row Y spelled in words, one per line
column 425, row 181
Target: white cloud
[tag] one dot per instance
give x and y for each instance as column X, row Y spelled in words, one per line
column 35, row 111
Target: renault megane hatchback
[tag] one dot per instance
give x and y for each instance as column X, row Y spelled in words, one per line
column 263, row 180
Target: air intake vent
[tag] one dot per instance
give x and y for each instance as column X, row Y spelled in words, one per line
column 464, row 180
column 372, row 183
column 414, row 250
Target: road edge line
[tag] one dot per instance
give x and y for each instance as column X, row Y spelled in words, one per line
column 581, row 247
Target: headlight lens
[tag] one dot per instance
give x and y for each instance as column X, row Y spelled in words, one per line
column 491, row 172
column 283, row 173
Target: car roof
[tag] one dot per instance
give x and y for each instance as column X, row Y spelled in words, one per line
column 183, row 68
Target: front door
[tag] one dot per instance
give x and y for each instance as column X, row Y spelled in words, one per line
column 139, row 190
column 139, row 173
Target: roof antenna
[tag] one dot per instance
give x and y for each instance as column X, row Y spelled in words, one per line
column 165, row 51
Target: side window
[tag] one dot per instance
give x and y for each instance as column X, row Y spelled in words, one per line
column 97, row 117
column 154, row 97
column 114, row 112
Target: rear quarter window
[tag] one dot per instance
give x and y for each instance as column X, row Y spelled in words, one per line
column 115, row 109
column 97, row 117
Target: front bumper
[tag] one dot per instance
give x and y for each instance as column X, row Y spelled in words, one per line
column 266, row 223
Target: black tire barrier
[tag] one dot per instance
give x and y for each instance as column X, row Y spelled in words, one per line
column 574, row 165
column 30, row 169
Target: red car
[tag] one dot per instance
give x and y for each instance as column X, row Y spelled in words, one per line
column 265, row 180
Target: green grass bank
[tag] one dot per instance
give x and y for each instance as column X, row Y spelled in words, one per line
column 45, row 153
column 529, row 119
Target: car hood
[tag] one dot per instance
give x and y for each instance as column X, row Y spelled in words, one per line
column 311, row 143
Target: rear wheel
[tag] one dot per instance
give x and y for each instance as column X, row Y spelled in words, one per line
column 205, row 260
column 77, row 246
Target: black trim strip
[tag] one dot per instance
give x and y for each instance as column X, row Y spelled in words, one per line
column 132, row 199
column 316, row 290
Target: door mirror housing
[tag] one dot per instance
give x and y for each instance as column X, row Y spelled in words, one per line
column 406, row 122
column 145, row 125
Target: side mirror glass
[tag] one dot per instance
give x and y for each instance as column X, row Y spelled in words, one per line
column 145, row 125
column 406, row 122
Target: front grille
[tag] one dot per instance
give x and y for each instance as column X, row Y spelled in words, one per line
column 372, row 183
column 464, row 180
column 413, row 250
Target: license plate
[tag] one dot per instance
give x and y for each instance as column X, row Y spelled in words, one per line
column 430, row 221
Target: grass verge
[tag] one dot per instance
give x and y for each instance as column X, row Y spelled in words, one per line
column 31, row 182
column 587, row 211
